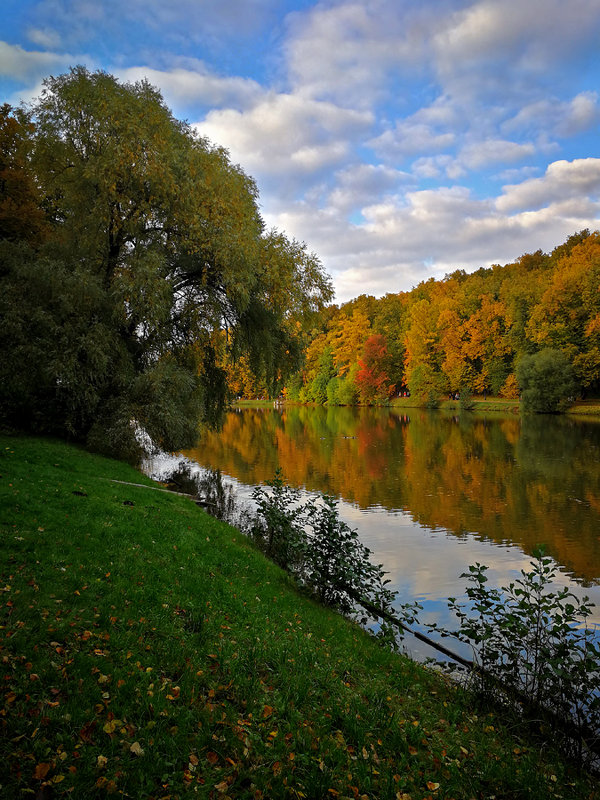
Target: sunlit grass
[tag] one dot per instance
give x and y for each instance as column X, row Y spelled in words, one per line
column 149, row 651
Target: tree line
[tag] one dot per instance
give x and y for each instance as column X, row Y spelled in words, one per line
column 133, row 260
column 529, row 327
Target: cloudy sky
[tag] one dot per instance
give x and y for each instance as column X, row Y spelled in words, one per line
column 399, row 139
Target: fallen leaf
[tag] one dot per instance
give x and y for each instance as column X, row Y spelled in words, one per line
column 111, row 725
column 41, row 771
column 432, row 786
column 101, row 762
column 137, row 749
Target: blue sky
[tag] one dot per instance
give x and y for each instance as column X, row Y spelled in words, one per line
column 399, row 139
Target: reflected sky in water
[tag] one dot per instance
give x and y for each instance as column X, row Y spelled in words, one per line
column 431, row 494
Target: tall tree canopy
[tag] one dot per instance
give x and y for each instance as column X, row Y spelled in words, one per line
column 155, row 244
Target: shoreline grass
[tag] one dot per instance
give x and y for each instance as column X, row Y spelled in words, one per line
column 148, row 650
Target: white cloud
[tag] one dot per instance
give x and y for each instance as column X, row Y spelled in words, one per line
column 27, row 65
column 561, row 118
column 345, row 51
column 411, row 138
column 411, row 236
column 46, row 37
column 506, row 46
column 285, row 136
column 361, row 184
column 494, row 151
column 563, row 180
column 197, row 86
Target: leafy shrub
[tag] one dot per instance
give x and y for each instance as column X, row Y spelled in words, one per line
column 277, row 527
column 337, row 564
column 465, row 400
column 532, row 644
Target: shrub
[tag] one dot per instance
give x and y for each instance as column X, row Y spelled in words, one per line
column 277, row 527
column 465, row 400
column 532, row 644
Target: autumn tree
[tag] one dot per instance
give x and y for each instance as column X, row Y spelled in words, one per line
column 423, row 353
column 156, row 242
column 348, row 336
column 469, row 331
column 372, row 378
column 22, row 217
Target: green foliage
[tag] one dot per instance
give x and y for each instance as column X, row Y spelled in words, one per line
column 154, row 244
column 322, row 552
column 425, row 385
column 532, row 644
column 347, row 391
column 317, row 391
column 277, row 527
column 337, row 564
column 465, row 400
column 547, row 381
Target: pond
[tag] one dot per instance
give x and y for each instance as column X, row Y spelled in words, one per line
column 431, row 493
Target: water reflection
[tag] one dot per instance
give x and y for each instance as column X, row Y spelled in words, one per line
column 431, row 494
column 510, row 481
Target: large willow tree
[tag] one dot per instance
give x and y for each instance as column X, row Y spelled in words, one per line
column 153, row 243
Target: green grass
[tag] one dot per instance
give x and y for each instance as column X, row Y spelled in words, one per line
column 149, row 651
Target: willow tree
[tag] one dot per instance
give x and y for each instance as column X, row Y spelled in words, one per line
column 156, row 242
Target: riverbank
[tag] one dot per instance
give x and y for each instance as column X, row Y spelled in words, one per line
column 590, row 408
column 149, row 651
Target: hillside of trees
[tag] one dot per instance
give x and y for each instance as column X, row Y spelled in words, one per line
column 467, row 332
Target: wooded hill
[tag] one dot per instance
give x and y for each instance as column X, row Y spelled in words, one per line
column 465, row 332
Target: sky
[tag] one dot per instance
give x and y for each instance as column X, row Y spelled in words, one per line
column 400, row 139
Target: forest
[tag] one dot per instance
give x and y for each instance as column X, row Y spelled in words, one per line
column 467, row 332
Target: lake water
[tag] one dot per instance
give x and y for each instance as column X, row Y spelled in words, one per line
column 431, row 493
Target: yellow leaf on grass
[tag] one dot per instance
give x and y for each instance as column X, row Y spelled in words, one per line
column 432, row 786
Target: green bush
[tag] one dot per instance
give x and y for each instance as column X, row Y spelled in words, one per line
column 531, row 645
column 277, row 526
column 547, row 382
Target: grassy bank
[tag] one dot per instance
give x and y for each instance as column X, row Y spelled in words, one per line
column 149, row 651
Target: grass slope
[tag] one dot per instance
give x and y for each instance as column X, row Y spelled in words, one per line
column 149, row 651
